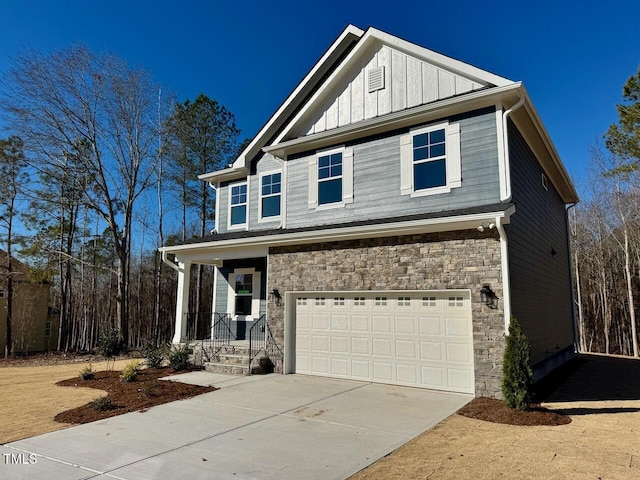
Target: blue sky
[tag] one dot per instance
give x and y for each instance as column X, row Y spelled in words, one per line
column 572, row 58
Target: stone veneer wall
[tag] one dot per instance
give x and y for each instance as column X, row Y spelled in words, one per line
column 449, row 260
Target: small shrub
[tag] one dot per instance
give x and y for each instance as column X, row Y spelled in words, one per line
column 110, row 343
column 154, row 356
column 130, row 371
column 517, row 376
column 101, row 404
column 150, row 389
column 87, row 373
column 179, row 357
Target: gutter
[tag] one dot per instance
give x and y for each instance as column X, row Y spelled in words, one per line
column 504, row 256
column 167, row 261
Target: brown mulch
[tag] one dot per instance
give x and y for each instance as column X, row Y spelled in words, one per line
column 147, row 391
column 497, row 411
column 56, row 358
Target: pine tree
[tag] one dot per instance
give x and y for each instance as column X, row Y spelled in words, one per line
column 517, row 376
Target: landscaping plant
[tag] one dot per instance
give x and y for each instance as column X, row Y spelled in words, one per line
column 517, row 376
column 130, row 371
column 110, row 343
column 179, row 357
column 154, row 355
column 87, row 373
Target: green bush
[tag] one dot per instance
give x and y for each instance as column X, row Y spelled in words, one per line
column 154, row 356
column 130, row 371
column 110, row 343
column 517, row 376
column 150, row 389
column 179, row 357
column 87, row 373
column 101, row 404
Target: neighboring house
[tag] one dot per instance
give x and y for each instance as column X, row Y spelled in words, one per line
column 389, row 219
column 34, row 327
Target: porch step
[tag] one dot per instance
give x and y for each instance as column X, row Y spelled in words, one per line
column 218, row 367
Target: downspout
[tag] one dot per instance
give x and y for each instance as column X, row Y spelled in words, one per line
column 169, row 262
column 215, row 215
column 505, row 142
column 576, row 337
column 506, row 292
column 504, row 246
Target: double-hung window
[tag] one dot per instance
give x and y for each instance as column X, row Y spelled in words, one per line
column 331, row 178
column 270, row 194
column 238, row 205
column 430, row 161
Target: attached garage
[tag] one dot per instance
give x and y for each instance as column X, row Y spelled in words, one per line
column 414, row 338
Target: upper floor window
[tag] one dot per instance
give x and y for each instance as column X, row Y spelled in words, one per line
column 331, row 178
column 238, row 205
column 270, row 193
column 430, row 160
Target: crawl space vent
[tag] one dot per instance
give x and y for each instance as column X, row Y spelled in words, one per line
column 376, row 79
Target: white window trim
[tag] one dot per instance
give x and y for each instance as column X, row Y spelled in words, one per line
column 239, row 226
column 275, row 218
column 255, row 294
column 347, row 178
column 453, row 160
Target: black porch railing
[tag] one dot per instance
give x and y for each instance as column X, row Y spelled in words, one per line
column 216, row 333
column 261, row 341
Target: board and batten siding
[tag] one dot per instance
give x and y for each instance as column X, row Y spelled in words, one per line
column 540, row 279
column 408, row 82
column 376, row 174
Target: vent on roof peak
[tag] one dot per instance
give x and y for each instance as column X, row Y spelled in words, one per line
column 376, row 79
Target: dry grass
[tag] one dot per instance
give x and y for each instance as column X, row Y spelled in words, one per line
column 29, row 398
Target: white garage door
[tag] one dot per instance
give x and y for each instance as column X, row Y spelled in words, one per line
column 418, row 339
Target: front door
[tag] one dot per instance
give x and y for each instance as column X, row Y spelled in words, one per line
column 245, row 299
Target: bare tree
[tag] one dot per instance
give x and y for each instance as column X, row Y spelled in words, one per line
column 75, row 96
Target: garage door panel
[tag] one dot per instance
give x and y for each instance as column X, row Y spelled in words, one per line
column 418, row 339
column 320, row 343
column 381, row 324
column 382, row 347
column 339, row 344
column 430, row 325
column 406, row 349
column 433, row 351
column 407, row 374
column 360, row 345
column 339, row 322
column 382, row 372
column 360, row 369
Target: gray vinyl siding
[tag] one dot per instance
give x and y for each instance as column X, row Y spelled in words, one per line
column 540, row 281
column 222, row 291
column 222, row 198
column 376, row 173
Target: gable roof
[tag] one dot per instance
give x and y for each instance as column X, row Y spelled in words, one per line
column 287, row 131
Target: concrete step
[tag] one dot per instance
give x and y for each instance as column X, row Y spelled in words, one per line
column 233, row 359
column 226, row 368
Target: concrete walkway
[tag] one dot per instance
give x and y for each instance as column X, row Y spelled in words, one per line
column 259, row 427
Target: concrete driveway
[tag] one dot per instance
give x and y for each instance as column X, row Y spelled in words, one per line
column 260, row 427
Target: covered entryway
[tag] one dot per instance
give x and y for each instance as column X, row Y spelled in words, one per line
column 420, row 339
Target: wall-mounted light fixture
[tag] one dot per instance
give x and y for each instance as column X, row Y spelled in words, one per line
column 275, row 296
column 490, row 226
column 488, row 296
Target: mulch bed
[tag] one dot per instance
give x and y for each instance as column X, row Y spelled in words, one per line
column 147, row 391
column 496, row 411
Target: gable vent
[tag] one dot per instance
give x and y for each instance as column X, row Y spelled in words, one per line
column 376, row 79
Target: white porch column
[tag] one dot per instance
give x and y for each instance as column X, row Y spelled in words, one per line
column 182, row 301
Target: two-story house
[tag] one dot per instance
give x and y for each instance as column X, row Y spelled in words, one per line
column 389, row 219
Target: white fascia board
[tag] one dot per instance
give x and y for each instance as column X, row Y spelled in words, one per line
column 403, row 118
column 350, row 32
column 410, row 227
column 448, row 63
column 373, row 35
column 224, row 175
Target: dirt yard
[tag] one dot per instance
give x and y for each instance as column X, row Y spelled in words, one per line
column 602, row 442
column 30, row 398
